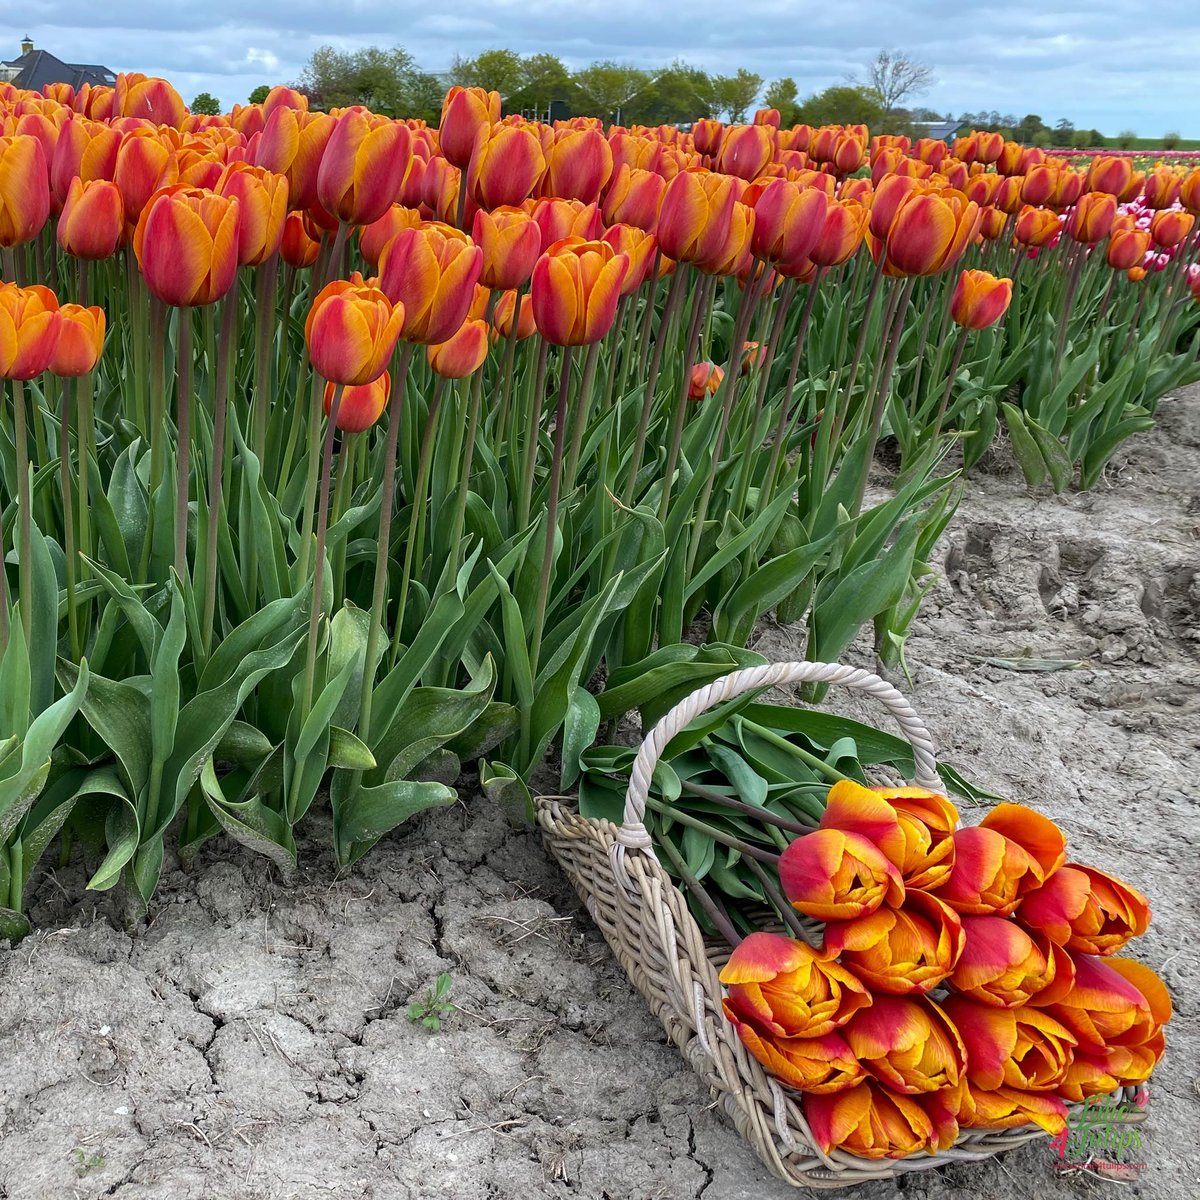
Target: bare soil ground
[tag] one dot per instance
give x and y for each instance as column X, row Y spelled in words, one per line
column 252, row 1042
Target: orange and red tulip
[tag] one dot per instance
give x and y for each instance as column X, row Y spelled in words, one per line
column 152, row 99
column 980, row 299
column 510, row 241
column 633, row 198
column 788, row 220
column 502, row 318
column 696, row 216
column 841, row 235
column 992, row 224
column 746, row 150
column 144, row 164
column 374, row 237
column 1009, row 160
column 1092, row 217
column 705, row 380
column 24, row 189
column 186, row 242
column 1003, row 966
column 1170, row 227
column 575, row 288
column 465, row 111
column 262, row 210
column 929, row 232
column 1086, row 909
column 1189, row 191
column 907, row 1043
column 1110, row 174
column 707, row 135
column 1127, row 248
column 298, row 248
column 431, row 271
column 362, row 167
column 1024, row 1048
column 578, row 166
column 815, row 1065
column 361, row 405
column 1011, row 1108
column 351, row 331
column 506, row 165
column 558, row 219
column 1036, row 226
column 836, row 876
column 92, row 222
column 462, row 354
column 900, row 950
column 80, row 341
column 734, row 257
column 86, row 149
column 1161, row 188
column 29, row 327
column 869, row 1121
column 638, row 247
column 890, row 194
column 1115, row 1002
column 786, row 989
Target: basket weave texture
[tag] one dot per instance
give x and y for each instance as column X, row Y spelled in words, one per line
column 646, row 921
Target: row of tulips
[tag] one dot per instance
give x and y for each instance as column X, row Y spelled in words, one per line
column 395, row 439
column 967, row 978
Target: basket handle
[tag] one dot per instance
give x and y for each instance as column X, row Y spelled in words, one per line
column 632, row 833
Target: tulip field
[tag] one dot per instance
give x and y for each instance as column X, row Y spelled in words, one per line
column 341, row 456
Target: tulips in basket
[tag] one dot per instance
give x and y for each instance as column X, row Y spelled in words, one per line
column 965, row 978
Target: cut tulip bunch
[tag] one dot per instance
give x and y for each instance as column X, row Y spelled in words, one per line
column 965, row 978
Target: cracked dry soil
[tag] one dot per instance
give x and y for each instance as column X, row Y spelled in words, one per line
column 251, row 1041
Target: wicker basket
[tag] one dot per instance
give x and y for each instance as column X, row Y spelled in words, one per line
column 646, row 921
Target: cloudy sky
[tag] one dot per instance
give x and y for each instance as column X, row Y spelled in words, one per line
column 1104, row 64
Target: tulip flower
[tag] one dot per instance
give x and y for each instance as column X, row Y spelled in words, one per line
column 575, row 289
column 462, row 354
column 297, row 247
column 1003, row 966
column 907, row 1043
column 785, row 989
column 1092, row 217
column 465, row 111
column 29, row 329
column 1023, row 1048
column 507, row 164
column 262, row 210
column 85, row 149
column 814, row 1065
column 144, row 165
column 980, row 299
column 638, row 247
column 80, row 341
column 900, row 950
column 1161, row 188
column 153, row 99
column 1036, row 226
column 92, row 222
column 24, row 189
column 361, row 405
column 431, row 271
column 1170, row 227
column 186, row 245
column 502, row 318
column 837, row 876
column 1115, row 1002
column 1127, row 248
column 633, row 198
column 1087, row 910
column 558, row 219
column 1013, row 850
column 1011, row 1108
column 362, row 167
column 890, row 194
column 1189, row 191
column 788, row 220
column 578, row 166
column 374, row 237
column 705, row 380
column 930, row 233
column 510, row 241
column 752, row 356
column 842, row 234
column 707, row 135
column 696, row 215
column 913, row 827
column 746, row 150
column 869, row 1121
column 351, row 331
column 1109, row 174
column 734, row 256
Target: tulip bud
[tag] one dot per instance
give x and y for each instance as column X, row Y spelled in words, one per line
column 298, row 247
column 836, row 876
column 80, row 341
column 1189, row 191
column 462, row 354
column 1161, row 188
column 1012, row 1108
column 638, row 247
column 1109, row 174
column 842, row 233
column 85, row 149
column 507, row 164
column 144, row 165
column 361, row 405
column 1023, row 1048
column 1170, row 227
column 24, row 189
column 788, row 220
column 362, row 167
column 510, row 241
column 869, row 1121
column 155, row 100
column 262, row 210
column 1036, row 227
column 705, row 380
column 929, row 232
column 373, row 238
column 1086, row 910
column 186, row 244
column 907, row 1044
column 575, row 289
column 1127, row 248
column 465, row 111
column 696, row 215
column 29, row 329
column 1092, row 217
column 980, row 299
column 578, row 166
column 558, row 219
column 1003, row 966
column 633, row 198
column 431, row 272
column 351, row 331
column 92, row 222
column 746, row 150
column 502, row 318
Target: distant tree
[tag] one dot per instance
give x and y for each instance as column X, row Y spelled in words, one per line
column 928, row 114
column 894, row 78
column 1170, row 140
column 783, row 95
column 677, row 95
column 1028, row 127
column 425, row 93
column 1064, row 133
column 260, row 93
column 605, row 88
column 386, row 81
column 1126, row 138
column 734, row 95
column 495, row 70
column 1082, row 139
column 544, row 80
column 1043, row 138
column 843, row 105
column 206, row 104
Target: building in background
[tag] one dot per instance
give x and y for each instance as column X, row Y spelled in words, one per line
column 34, row 69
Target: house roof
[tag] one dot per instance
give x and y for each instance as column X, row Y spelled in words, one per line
column 38, row 68
column 942, row 130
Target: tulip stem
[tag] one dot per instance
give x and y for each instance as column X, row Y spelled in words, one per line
column 314, row 616
column 183, row 408
column 313, row 466
column 560, row 430
column 582, row 412
column 379, row 593
column 717, row 835
column 265, row 287
column 533, row 424
column 468, row 463
column 24, row 513
column 1064, row 319
column 712, row 909
column 69, row 548
column 156, row 429
column 865, row 325
column 960, row 345
column 416, row 517
column 750, row 810
column 778, row 901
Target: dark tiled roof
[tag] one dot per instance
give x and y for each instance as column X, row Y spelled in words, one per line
column 39, row 67
column 943, row 130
